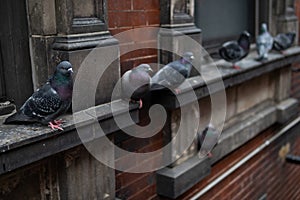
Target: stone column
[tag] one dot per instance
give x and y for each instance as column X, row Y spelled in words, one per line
column 70, row 30
column 177, row 18
column 284, row 17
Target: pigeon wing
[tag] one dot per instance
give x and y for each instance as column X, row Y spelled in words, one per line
column 231, row 51
column 43, row 103
column 168, row 77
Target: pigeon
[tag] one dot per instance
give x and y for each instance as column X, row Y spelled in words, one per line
column 264, row 43
column 48, row 102
column 136, row 83
column 207, row 140
column 233, row 51
column 283, row 41
column 173, row 74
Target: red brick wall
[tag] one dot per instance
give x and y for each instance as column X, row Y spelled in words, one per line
column 124, row 15
column 295, row 90
column 137, row 185
column 265, row 173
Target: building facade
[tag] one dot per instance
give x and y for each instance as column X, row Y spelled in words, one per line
column 258, row 115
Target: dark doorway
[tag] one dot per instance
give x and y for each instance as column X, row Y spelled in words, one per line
column 15, row 67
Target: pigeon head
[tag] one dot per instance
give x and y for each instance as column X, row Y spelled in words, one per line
column 188, row 56
column 263, row 28
column 144, row 67
column 291, row 35
column 64, row 68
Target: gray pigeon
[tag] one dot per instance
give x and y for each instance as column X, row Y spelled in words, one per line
column 173, row 74
column 207, row 140
column 283, row 41
column 264, row 43
column 136, row 83
column 233, row 51
column 48, row 102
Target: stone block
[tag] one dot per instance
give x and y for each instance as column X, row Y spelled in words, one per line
column 286, row 110
column 42, row 19
column 283, row 84
column 184, row 126
column 95, row 71
column 172, row 182
column 252, row 92
column 231, row 95
column 42, row 67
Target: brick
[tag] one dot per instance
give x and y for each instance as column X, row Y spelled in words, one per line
column 116, row 31
column 138, row 18
column 119, row 4
column 152, row 5
column 153, row 17
column 124, row 179
column 139, row 4
column 135, row 187
column 147, row 192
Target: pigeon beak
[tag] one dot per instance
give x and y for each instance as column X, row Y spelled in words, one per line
column 70, row 70
column 192, row 57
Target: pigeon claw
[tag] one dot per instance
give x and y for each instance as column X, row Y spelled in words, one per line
column 58, row 121
column 55, row 126
column 236, row 67
column 209, row 154
column 177, row 91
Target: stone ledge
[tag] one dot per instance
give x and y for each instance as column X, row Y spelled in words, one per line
column 24, row 144
column 241, row 132
column 286, row 110
column 231, row 77
column 172, row 182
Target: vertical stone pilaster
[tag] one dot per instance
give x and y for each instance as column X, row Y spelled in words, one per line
column 70, row 30
column 284, row 17
column 177, row 18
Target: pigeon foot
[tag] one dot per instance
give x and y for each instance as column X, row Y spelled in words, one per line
column 58, row 121
column 177, row 91
column 55, row 126
column 236, row 67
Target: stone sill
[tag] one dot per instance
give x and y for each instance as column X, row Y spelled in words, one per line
column 231, row 77
column 24, row 144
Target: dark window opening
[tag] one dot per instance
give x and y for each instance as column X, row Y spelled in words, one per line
column 224, row 20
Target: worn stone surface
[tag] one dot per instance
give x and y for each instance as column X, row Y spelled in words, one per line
column 252, row 92
column 172, row 182
column 241, row 132
column 74, row 18
column 99, row 68
column 42, row 67
column 286, row 110
column 37, row 142
column 284, row 18
column 184, row 126
column 81, row 176
column 42, row 19
column 283, row 84
column 231, row 97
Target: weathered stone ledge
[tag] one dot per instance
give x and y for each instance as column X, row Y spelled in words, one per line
column 24, row 144
column 250, row 68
